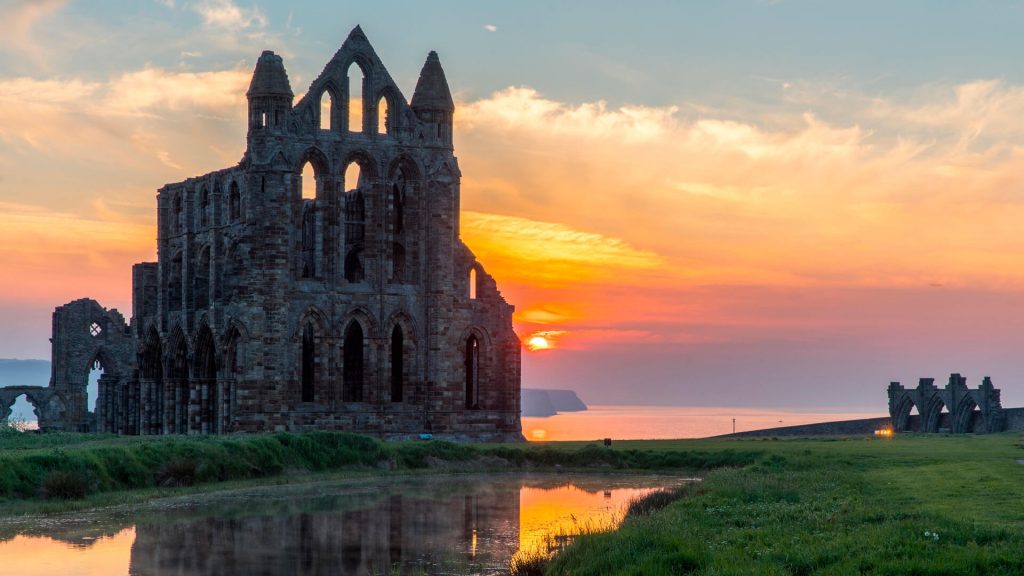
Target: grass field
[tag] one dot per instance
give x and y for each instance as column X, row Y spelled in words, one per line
column 911, row 505
column 58, row 472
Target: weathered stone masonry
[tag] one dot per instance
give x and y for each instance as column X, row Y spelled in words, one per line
column 955, row 408
column 268, row 311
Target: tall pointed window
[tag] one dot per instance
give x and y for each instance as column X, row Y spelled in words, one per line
column 308, row 362
column 204, row 207
column 383, row 121
column 201, row 281
column 308, row 240
column 472, row 373
column 174, row 283
column 326, row 107
column 355, row 98
column 235, row 202
column 354, row 271
column 178, row 368
column 352, row 367
column 353, row 176
column 178, row 225
column 397, row 208
column 355, row 223
column 472, row 283
column 309, row 184
column 153, row 371
column 397, row 364
column 206, row 376
column 397, row 263
column 355, row 206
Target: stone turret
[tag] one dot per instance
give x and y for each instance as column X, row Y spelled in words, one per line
column 432, row 101
column 270, row 94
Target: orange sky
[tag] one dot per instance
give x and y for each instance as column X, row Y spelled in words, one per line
column 826, row 234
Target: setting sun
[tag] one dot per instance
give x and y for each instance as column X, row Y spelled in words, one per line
column 538, row 343
column 543, row 340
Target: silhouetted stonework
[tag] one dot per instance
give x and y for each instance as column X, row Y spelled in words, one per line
column 955, row 408
column 268, row 311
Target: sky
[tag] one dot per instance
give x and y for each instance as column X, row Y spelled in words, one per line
column 782, row 204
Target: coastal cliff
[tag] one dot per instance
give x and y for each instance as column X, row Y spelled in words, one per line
column 542, row 403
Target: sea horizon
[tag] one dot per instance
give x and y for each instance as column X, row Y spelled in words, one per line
column 651, row 422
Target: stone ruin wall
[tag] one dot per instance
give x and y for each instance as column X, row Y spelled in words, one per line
column 953, row 409
column 267, row 311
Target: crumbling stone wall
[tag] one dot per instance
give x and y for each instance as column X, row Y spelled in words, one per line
column 86, row 334
column 955, row 408
column 352, row 310
column 48, row 406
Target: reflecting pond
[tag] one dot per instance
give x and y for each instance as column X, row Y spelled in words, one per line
column 453, row 524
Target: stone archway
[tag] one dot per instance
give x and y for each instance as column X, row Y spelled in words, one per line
column 48, row 407
column 966, row 410
column 11, row 417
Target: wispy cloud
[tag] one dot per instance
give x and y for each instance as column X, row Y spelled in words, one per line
column 549, row 252
column 524, row 109
column 820, row 196
column 96, row 259
column 226, row 14
column 18, row 22
column 490, row 27
column 156, row 88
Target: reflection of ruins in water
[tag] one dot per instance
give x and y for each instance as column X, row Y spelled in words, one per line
column 463, row 524
column 368, row 532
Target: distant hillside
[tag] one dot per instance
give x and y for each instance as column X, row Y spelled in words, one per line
column 541, row 403
column 566, row 401
column 24, row 372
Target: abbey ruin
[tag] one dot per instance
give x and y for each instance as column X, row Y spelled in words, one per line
column 954, row 409
column 358, row 308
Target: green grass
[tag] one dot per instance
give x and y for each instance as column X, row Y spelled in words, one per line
column 60, row 467
column 786, row 507
column 817, row 506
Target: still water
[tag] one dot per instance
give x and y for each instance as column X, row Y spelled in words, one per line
column 669, row 422
column 464, row 524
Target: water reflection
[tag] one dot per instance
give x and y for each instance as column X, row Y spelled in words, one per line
column 438, row 525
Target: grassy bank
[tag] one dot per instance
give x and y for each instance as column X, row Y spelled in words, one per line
column 60, row 467
column 913, row 505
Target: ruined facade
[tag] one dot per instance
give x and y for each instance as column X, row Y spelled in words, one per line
column 358, row 309
column 955, row 408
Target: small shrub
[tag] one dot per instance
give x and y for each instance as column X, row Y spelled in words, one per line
column 178, row 471
column 64, row 485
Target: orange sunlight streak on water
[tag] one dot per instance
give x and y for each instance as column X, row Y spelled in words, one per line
column 546, row 514
column 35, row 556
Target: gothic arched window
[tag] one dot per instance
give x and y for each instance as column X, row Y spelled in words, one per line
column 472, row 373
column 308, row 362
column 352, row 367
column 235, row 202
column 397, row 364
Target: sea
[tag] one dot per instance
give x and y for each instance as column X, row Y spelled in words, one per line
column 645, row 422
column 670, row 422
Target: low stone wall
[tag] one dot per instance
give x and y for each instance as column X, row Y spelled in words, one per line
column 1014, row 418
column 862, row 427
